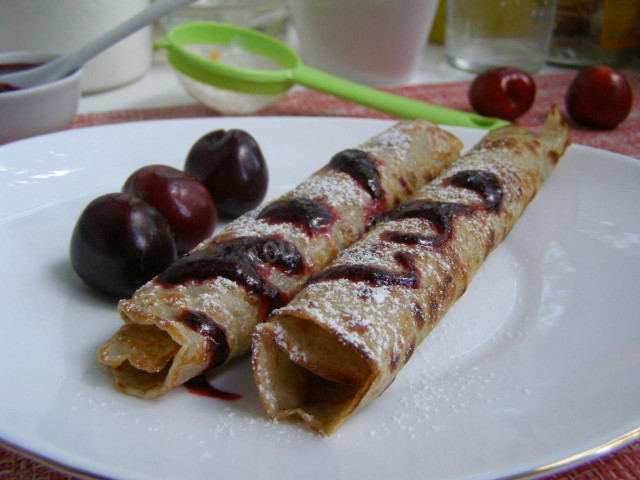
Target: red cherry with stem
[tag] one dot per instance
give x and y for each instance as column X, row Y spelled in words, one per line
column 504, row 92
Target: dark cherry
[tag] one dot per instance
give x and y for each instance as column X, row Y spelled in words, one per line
column 599, row 97
column 119, row 243
column 504, row 92
column 183, row 200
column 231, row 165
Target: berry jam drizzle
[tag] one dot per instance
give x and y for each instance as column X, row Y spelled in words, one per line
column 199, row 386
column 361, row 167
column 486, row 184
column 13, row 67
column 206, row 326
column 440, row 214
column 5, row 87
column 237, row 260
column 312, row 216
column 374, row 276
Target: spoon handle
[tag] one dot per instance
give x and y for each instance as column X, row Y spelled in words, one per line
column 70, row 62
column 389, row 103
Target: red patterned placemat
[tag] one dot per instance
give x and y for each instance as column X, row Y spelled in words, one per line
column 625, row 139
column 623, row 464
column 14, row 466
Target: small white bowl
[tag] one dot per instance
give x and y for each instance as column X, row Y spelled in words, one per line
column 34, row 111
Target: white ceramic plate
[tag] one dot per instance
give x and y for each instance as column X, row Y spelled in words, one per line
column 536, row 366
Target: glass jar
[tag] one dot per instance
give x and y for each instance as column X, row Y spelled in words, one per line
column 596, row 32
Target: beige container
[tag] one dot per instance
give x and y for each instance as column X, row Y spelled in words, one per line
column 60, row 26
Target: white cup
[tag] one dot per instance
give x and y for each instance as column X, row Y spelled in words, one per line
column 369, row 41
column 61, row 26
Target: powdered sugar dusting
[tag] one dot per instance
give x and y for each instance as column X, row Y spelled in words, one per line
column 336, row 189
column 396, row 141
column 385, row 320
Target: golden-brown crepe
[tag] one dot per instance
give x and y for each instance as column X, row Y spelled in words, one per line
column 343, row 339
column 201, row 312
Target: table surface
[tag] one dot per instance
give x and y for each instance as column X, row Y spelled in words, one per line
column 159, row 95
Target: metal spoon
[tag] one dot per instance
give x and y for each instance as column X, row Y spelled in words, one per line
column 64, row 65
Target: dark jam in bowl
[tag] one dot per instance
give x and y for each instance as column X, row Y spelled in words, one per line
column 6, row 68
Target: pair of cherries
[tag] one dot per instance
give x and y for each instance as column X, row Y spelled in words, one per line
column 122, row 240
column 598, row 97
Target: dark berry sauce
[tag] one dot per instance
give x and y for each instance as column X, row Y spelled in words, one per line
column 373, row 276
column 486, row 184
column 439, row 214
column 312, row 216
column 13, row 67
column 361, row 167
column 5, row 87
column 238, row 261
column 199, row 386
column 206, row 326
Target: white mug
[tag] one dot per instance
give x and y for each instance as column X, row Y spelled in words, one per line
column 61, row 26
column 369, row 41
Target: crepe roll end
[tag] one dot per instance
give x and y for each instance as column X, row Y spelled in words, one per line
column 148, row 356
column 554, row 134
column 321, row 386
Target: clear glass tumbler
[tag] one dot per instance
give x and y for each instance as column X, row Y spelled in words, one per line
column 483, row 34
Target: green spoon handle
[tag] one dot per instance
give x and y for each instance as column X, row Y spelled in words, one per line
column 395, row 105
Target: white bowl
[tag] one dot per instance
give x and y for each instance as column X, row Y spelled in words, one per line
column 34, row 111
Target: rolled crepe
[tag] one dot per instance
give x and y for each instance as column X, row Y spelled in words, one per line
column 202, row 310
column 343, row 339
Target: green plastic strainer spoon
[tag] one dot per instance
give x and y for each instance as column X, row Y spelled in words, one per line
column 292, row 71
